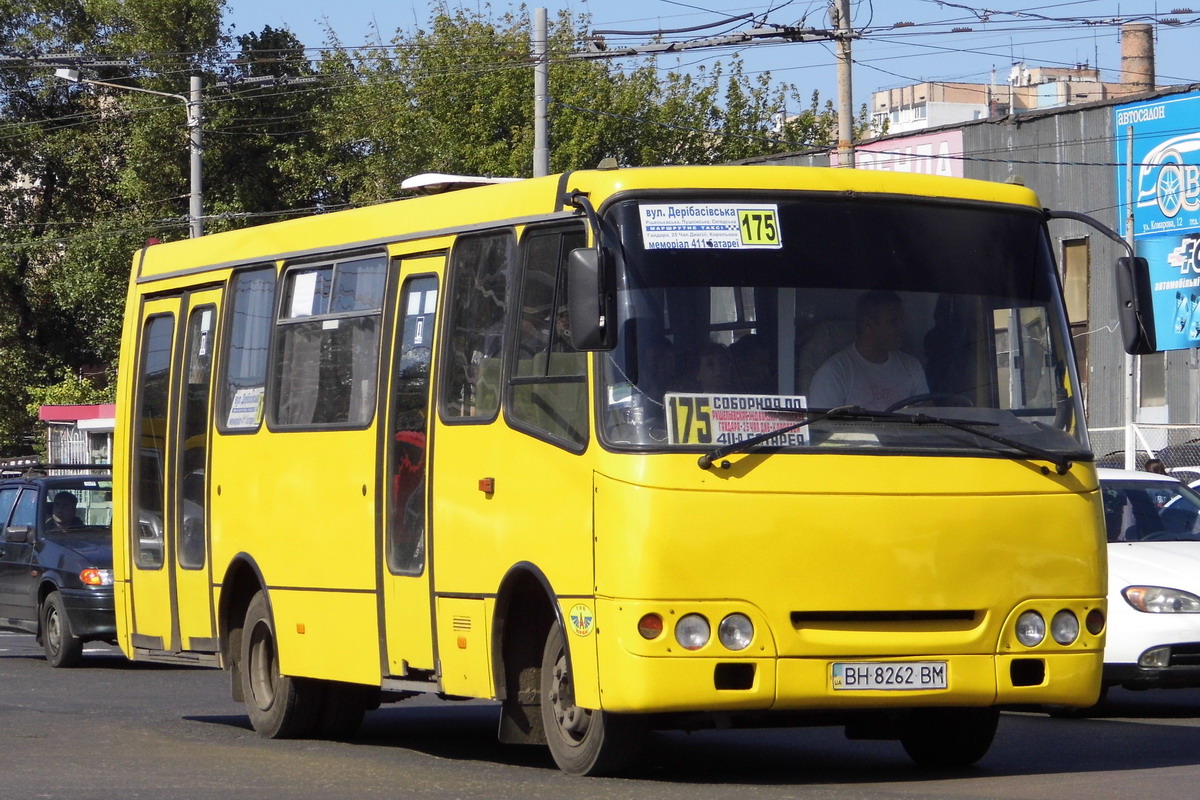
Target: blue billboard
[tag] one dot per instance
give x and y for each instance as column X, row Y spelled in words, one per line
column 1166, row 207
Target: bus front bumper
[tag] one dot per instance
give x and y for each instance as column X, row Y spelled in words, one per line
column 689, row 683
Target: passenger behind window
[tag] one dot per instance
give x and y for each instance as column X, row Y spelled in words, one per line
column 711, row 368
column 871, row 372
column 752, row 365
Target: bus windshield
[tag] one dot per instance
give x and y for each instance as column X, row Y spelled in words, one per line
column 908, row 308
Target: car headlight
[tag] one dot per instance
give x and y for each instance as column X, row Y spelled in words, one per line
column 1031, row 628
column 736, row 631
column 96, row 577
column 692, row 632
column 1161, row 600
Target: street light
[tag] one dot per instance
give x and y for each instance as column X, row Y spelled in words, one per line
column 194, row 119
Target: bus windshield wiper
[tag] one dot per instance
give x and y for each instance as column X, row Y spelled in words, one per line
column 1061, row 463
column 841, row 412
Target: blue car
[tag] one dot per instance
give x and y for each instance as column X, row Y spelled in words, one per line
column 56, row 578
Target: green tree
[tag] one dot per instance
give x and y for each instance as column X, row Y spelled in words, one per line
column 78, row 186
column 456, row 96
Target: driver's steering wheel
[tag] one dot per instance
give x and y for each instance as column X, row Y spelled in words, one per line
column 944, row 398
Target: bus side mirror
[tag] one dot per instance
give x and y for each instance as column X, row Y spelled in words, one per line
column 1135, row 307
column 591, row 298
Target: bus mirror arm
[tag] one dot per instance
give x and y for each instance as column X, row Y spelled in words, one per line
column 591, row 287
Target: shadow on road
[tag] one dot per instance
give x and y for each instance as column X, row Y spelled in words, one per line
column 1131, row 731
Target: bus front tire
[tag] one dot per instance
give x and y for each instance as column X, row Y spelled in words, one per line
column 582, row 741
column 279, row 706
column 949, row 737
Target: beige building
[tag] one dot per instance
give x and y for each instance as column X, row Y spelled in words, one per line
column 934, row 103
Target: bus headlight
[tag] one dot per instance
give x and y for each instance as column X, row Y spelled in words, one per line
column 1031, row 629
column 692, row 632
column 1064, row 628
column 736, row 631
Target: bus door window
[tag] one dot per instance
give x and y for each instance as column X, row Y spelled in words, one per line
column 549, row 381
column 474, row 346
column 151, row 440
column 327, row 348
column 245, row 359
column 193, row 430
column 406, row 527
column 1023, row 362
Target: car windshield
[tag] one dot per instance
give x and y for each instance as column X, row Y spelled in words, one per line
column 1144, row 511
column 888, row 305
column 76, row 504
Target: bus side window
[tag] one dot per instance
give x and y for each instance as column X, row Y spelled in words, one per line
column 151, row 433
column 548, row 386
column 245, row 364
column 474, row 342
column 327, row 343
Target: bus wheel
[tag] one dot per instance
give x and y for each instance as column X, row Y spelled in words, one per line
column 280, row 706
column 62, row 647
column 582, row 741
column 949, row 737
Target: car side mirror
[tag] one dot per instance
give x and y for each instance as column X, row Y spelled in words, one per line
column 18, row 534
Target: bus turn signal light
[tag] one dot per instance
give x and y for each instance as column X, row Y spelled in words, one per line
column 650, row 626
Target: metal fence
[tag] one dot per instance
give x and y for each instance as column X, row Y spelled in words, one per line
column 1177, row 446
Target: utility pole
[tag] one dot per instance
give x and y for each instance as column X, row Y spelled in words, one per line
column 839, row 20
column 541, row 76
column 194, row 124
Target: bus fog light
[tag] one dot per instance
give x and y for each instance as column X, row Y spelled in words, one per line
column 650, row 626
column 1064, row 627
column 692, row 632
column 1156, row 657
column 1095, row 622
column 1031, row 629
column 736, row 631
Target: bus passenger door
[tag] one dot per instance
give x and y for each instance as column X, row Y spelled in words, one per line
column 407, row 600
column 187, row 484
column 172, row 608
column 150, row 579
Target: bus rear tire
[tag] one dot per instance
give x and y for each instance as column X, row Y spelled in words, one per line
column 582, row 741
column 949, row 737
column 279, row 706
column 342, row 708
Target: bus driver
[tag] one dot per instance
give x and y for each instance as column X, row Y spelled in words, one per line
column 870, row 372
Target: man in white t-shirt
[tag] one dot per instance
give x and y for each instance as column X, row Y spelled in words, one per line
column 871, row 372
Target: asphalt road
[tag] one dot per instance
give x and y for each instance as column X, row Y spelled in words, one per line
column 113, row 729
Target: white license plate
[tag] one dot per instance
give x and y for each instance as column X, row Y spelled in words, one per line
column 851, row 675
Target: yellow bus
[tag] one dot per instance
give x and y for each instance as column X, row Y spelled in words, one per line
column 623, row 450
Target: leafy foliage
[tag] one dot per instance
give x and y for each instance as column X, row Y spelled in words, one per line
column 87, row 174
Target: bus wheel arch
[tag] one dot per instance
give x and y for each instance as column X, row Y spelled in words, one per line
column 524, row 614
column 242, row 581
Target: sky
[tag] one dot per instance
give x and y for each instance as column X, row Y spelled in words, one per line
column 953, row 42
